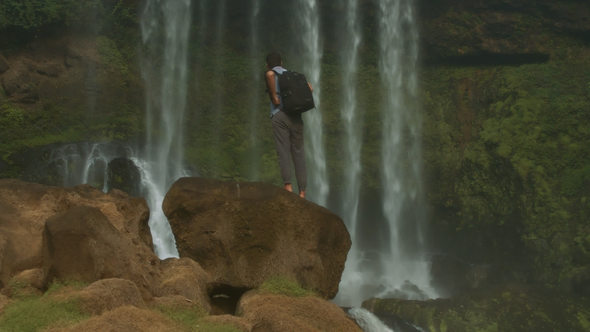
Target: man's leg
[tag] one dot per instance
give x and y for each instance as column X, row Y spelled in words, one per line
column 298, row 153
column 280, row 129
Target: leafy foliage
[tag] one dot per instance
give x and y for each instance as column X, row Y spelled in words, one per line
column 514, row 149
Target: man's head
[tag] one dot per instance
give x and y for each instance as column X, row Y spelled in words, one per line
column 273, row 59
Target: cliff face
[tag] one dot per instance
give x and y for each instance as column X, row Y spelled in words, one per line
column 506, row 89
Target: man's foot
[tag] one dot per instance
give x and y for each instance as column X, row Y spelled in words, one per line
column 302, row 194
column 288, row 187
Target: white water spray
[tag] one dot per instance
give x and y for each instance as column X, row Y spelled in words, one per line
column 404, row 267
column 311, row 52
column 165, row 31
column 86, row 162
column 254, row 102
column 351, row 278
column 367, row 321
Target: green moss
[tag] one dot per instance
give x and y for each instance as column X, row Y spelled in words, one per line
column 35, row 313
column 111, row 55
column 284, row 286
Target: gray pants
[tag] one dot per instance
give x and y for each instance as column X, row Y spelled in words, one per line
column 288, row 133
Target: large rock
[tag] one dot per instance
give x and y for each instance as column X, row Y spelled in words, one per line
column 105, row 295
column 184, row 277
column 25, row 207
column 244, row 233
column 272, row 312
column 81, row 244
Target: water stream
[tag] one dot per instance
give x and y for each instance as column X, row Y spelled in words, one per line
column 307, row 17
column 165, row 30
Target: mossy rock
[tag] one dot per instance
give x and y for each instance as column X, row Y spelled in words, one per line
column 510, row 308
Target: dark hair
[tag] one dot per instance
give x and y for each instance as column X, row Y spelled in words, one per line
column 273, row 59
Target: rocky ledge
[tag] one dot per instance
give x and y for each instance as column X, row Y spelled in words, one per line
column 232, row 238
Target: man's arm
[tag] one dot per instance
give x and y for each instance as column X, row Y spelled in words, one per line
column 272, row 90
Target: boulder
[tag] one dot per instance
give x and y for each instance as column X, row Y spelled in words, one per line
column 81, row 244
column 25, row 207
column 26, row 283
column 244, row 233
column 272, row 312
column 108, row 294
column 184, row 277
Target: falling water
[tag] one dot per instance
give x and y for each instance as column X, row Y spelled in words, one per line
column 367, row 321
column 165, row 31
column 254, row 102
column 86, row 162
column 406, row 272
column 352, row 276
column 311, row 53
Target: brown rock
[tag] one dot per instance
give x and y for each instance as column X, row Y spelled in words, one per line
column 25, row 207
column 108, row 294
column 174, row 302
column 244, row 233
column 269, row 312
column 186, row 278
column 26, row 283
column 238, row 323
column 127, row 318
column 81, row 244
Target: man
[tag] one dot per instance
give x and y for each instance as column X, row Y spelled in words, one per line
column 287, row 129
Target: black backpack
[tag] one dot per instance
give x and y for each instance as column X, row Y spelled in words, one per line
column 295, row 93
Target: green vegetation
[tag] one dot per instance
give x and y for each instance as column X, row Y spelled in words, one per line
column 509, row 146
column 31, row 313
column 284, row 286
column 508, row 309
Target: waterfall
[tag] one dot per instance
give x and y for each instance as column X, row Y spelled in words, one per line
column 165, row 31
column 311, row 53
column 367, row 321
column 353, row 139
column 86, row 162
column 406, row 272
column 254, row 103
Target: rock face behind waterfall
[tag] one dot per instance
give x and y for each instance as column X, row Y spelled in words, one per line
column 245, row 233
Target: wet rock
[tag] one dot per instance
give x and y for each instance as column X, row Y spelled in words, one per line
column 244, row 233
column 124, row 175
